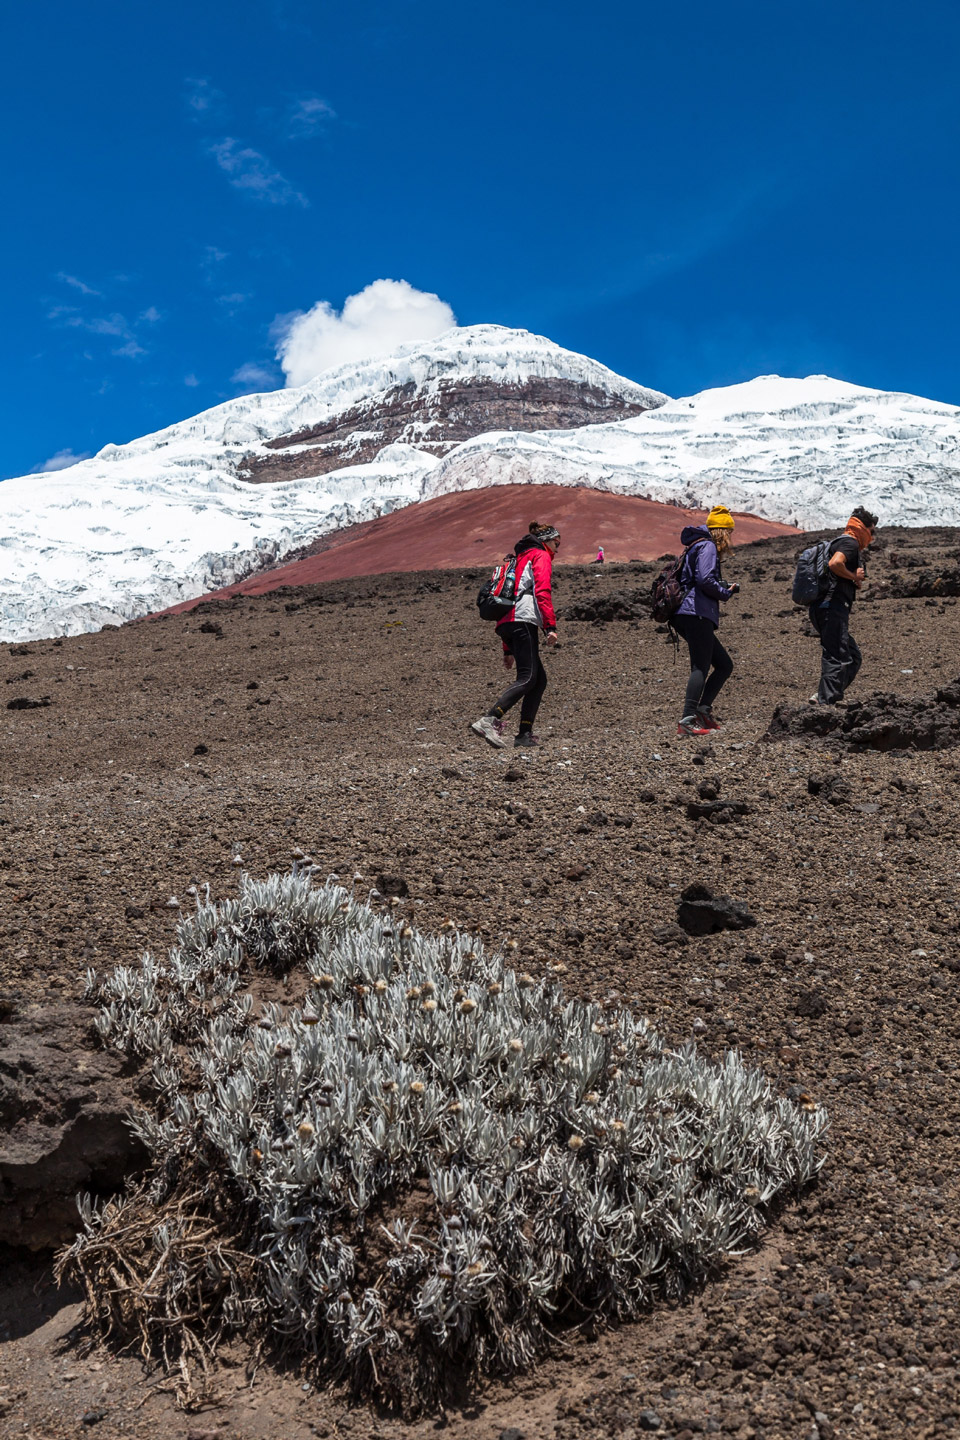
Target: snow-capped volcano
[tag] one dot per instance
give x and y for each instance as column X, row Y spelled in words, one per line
column 167, row 517
column 201, row 504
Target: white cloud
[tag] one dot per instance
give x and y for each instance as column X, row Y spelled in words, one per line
column 115, row 326
column 254, row 377
column 191, row 380
column 60, row 461
column 308, row 117
column 254, row 174
column 101, row 325
column 79, row 285
column 231, row 303
column 212, row 257
column 204, row 100
column 382, row 316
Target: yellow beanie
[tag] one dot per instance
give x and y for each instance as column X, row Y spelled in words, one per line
column 719, row 518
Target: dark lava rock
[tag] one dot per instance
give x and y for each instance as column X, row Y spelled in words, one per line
column 883, row 721
column 63, row 1123
column 201, row 749
column 210, row 627
column 618, row 605
column 720, row 812
column 24, row 703
column 928, row 584
column 811, row 1004
column 700, row 912
column 670, row 935
column 393, row 885
column 833, row 789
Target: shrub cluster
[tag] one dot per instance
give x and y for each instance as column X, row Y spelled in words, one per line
column 417, row 1163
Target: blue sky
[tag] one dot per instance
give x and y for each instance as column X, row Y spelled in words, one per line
column 692, row 194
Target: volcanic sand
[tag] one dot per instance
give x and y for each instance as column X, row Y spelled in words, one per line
column 474, row 527
column 335, row 721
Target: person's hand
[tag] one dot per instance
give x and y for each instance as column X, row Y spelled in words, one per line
column 734, row 589
column 507, row 660
column 861, row 576
column 551, row 638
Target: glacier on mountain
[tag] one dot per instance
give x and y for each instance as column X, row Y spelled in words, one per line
column 803, row 452
column 168, row 517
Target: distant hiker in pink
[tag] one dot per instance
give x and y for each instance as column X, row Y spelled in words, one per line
column 599, row 559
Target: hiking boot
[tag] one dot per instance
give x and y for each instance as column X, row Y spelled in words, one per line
column 693, row 725
column 491, row 729
column 706, row 717
column 526, row 740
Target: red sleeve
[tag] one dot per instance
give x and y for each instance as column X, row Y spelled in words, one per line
column 542, row 562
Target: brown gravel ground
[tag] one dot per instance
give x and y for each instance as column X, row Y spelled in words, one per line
column 334, row 719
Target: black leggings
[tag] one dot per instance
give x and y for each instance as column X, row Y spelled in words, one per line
column 705, row 651
column 523, row 642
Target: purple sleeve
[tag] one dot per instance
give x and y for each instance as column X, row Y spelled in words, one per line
column 705, row 575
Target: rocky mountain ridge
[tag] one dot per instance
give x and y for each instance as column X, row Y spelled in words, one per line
column 436, row 420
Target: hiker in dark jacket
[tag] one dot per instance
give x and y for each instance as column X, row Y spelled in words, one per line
column 699, row 615
column 840, row 657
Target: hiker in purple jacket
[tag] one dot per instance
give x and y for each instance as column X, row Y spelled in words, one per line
column 699, row 615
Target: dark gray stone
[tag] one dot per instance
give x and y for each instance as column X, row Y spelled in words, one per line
column 64, row 1104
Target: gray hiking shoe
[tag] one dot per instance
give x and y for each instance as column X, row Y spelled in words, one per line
column 491, row 730
column 526, row 741
column 692, row 725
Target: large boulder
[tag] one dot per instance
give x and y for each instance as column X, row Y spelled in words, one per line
column 63, row 1130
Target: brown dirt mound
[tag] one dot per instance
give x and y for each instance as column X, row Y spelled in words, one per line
column 476, row 527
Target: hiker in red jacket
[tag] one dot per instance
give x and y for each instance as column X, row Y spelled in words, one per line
column 519, row 631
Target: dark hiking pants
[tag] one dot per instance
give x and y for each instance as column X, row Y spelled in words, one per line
column 705, row 683
column 523, row 642
column 840, row 657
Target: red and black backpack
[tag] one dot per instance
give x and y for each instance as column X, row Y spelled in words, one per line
column 499, row 595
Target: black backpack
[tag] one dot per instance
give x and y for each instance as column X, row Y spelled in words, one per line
column 499, row 595
column 811, row 579
column 668, row 592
